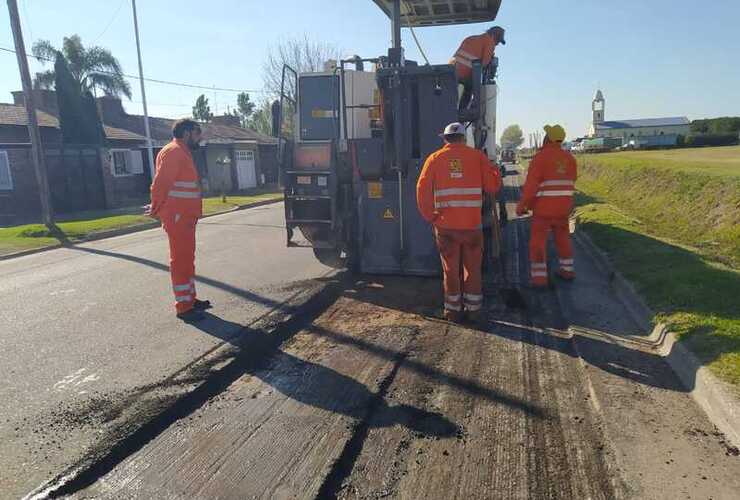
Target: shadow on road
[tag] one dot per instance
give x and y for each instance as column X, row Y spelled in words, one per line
column 236, row 291
column 240, row 224
column 423, row 296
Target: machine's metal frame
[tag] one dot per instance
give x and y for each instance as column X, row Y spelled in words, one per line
column 342, row 186
column 440, row 12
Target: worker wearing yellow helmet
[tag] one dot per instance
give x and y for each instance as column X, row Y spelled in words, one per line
column 548, row 193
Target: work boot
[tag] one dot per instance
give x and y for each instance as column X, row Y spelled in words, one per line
column 474, row 317
column 453, row 316
column 201, row 305
column 191, row 316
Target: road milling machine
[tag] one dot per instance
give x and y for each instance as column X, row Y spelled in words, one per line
column 360, row 139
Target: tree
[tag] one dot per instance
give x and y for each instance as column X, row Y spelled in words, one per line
column 301, row 54
column 261, row 120
column 92, row 68
column 201, row 110
column 512, row 137
column 723, row 125
column 244, row 108
column 78, row 114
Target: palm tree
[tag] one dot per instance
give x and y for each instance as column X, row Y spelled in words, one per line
column 93, row 68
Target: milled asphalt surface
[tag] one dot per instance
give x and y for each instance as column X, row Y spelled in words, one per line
column 352, row 387
column 89, row 332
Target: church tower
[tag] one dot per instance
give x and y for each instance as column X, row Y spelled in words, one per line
column 597, row 106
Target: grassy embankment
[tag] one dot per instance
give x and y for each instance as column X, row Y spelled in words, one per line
column 77, row 227
column 670, row 221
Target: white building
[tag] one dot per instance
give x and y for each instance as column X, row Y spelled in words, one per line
column 644, row 132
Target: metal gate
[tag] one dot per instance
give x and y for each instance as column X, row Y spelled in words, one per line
column 75, row 179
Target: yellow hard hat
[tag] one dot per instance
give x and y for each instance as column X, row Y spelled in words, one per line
column 555, row 133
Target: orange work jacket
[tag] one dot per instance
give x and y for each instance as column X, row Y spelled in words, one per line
column 176, row 185
column 551, row 183
column 473, row 47
column 449, row 192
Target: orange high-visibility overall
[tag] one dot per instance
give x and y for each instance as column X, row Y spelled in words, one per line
column 548, row 192
column 449, row 195
column 473, row 47
column 176, row 201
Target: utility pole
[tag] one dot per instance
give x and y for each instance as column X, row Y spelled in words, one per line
column 147, row 132
column 37, row 152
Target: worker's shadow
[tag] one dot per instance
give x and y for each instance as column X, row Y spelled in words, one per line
column 321, row 387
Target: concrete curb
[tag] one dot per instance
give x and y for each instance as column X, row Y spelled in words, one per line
column 717, row 398
column 101, row 235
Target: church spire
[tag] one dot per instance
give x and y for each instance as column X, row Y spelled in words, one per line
column 597, row 106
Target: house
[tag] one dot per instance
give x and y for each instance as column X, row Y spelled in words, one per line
column 81, row 177
column 641, row 132
column 84, row 177
column 232, row 158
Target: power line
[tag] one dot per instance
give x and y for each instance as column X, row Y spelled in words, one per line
column 413, row 33
column 113, row 18
column 170, row 105
column 163, row 82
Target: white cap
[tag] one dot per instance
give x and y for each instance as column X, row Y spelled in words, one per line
column 455, row 128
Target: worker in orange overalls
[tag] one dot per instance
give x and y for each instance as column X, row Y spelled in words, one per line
column 548, row 192
column 476, row 47
column 449, row 195
column 176, row 201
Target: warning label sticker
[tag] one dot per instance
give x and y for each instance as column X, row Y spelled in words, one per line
column 374, row 190
column 388, row 214
column 323, row 113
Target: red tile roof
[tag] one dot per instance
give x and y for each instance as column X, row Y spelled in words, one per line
column 121, row 134
column 10, row 114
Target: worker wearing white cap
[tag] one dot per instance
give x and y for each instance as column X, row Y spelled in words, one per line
column 449, row 195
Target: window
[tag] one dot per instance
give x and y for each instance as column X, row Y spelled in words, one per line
column 6, row 179
column 244, row 155
column 126, row 162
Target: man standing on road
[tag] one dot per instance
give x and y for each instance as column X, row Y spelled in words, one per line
column 476, row 47
column 548, row 192
column 449, row 195
column 176, row 201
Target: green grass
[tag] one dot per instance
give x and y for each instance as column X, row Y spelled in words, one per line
column 217, row 204
column 672, row 228
column 690, row 206
column 79, row 226
column 698, row 298
column 719, row 161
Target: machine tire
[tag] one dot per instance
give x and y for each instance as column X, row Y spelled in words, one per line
column 330, row 257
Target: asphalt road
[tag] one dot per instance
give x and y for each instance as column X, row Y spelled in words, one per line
column 322, row 385
column 88, row 333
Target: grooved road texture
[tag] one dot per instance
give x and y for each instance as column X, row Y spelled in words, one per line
column 354, row 389
column 371, row 400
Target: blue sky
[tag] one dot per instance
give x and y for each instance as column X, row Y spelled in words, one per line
column 651, row 57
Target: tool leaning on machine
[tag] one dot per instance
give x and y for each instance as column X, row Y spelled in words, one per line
column 548, row 192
